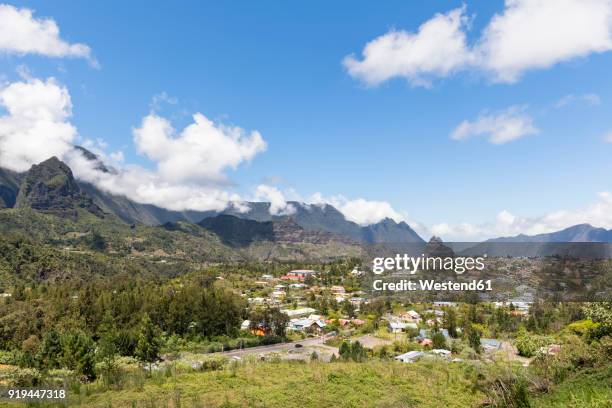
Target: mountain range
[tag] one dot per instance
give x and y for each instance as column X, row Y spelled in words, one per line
column 51, row 187
column 576, row 233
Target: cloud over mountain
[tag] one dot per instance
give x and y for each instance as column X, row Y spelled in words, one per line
column 360, row 211
column 598, row 214
column 37, row 124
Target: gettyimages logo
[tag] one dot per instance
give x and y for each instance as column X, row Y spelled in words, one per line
column 412, row 264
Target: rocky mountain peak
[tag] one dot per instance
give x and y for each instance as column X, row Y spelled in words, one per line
column 50, row 187
column 436, row 248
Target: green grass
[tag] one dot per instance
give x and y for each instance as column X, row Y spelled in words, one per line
column 590, row 388
column 291, row 384
column 286, row 385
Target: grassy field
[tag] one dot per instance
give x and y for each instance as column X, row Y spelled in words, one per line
column 294, row 384
column 592, row 388
column 288, row 384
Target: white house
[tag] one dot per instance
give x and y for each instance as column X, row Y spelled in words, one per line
column 441, row 353
column 245, row 325
column 399, row 327
column 303, row 311
column 409, row 357
column 306, row 325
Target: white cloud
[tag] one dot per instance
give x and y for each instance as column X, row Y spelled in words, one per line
column 278, row 203
column 360, row 211
column 436, row 50
column 608, row 137
column 532, row 34
column 161, row 98
column 590, row 99
column 145, row 186
column 36, row 125
column 190, row 165
column 365, row 212
column 501, row 127
column 526, row 35
column 598, row 214
column 21, row 33
column 200, row 153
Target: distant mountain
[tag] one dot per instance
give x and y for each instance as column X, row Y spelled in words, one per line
column 577, row 233
column 325, row 217
column 50, row 187
column 241, row 232
column 388, row 230
column 321, row 218
column 581, row 240
column 132, row 212
column 436, row 248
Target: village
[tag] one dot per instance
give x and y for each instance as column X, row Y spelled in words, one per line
column 320, row 313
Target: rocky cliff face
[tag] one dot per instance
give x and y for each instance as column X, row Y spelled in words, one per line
column 289, row 231
column 9, row 188
column 242, row 232
column 388, row 230
column 51, row 187
column 328, row 219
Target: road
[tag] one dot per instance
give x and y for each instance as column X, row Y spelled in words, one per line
column 274, row 348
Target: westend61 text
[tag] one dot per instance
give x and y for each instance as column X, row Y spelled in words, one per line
column 425, row 285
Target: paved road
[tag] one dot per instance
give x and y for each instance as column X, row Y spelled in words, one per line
column 274, row 348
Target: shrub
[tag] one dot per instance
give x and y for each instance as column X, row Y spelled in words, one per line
column 9, row 357
column 526, row 346
column 23, row 377
column 505, row 387
column 583, row 327
column 438, row 340
column 529, row 344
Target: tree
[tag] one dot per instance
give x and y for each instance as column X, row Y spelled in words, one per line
column 97, row 242
column 352, row 351
column 19, row 292
column 50, row 351
column 29, row 349
column 344, row 350
column 438, row 340
column 78, row 353
column 473, row 335
column 107, row 347
column 126, row 341
column 412, row 332
column 600, row 313
column 450, row 322
column 147, row 348
column 358, row 353
column 271, row 320
column 348, row 308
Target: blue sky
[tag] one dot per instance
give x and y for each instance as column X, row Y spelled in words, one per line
column 277, row 68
